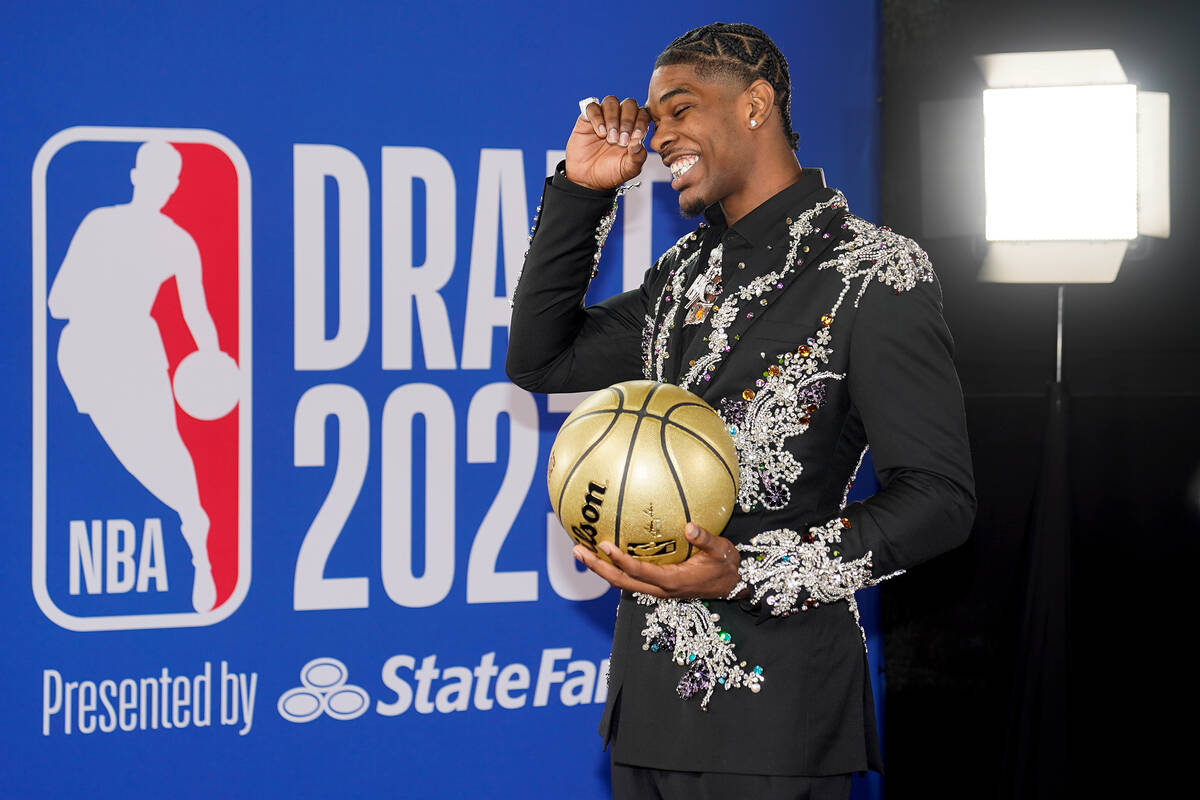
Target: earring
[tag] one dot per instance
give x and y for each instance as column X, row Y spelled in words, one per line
column 753, row 123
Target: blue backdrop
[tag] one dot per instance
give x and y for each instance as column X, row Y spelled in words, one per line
column 385, row 518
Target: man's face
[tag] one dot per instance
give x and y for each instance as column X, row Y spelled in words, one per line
column 699, row 135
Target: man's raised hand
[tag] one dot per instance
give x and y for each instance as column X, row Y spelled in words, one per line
column 605, row 149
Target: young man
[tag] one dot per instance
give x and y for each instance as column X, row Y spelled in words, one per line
column 742, row 672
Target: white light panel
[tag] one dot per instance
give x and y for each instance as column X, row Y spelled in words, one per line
column 1060, row 163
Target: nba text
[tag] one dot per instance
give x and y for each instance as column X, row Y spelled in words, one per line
column 108, row 556
column 163, row 701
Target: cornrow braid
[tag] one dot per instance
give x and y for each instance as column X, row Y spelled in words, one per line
column 740, row 51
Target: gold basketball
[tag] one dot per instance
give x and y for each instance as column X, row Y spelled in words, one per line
column 634, row 463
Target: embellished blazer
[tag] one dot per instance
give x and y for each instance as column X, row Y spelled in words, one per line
column 814, row 334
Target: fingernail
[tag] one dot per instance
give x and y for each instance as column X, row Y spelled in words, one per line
column 624, row 139
column 602, row 129
column 638, row 134
column 578, row 555
column 690, row 531
column 607, row 548
column 612, row 136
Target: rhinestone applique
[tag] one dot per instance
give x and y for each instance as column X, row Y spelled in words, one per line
column 853, row 475
column 792, row 572
column 688, row 630
column 762, row 422
column 892, row 259
column 783, row 404
column 654, row 341
column 723, row 317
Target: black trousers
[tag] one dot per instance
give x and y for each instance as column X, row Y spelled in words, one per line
column 642, row 783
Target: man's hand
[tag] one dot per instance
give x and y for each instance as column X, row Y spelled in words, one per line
column 605, row 149
column 712, row 571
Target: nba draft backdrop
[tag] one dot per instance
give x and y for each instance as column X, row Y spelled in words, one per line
column 277, row 523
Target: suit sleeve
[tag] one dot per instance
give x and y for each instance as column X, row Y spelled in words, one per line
column 906, row 391
column 556, row 344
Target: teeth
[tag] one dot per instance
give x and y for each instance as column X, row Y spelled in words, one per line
column 683, row 164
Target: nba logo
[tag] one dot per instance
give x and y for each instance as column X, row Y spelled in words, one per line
column 141, row 378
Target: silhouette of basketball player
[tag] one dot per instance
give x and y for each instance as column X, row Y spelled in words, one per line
column 111, row 353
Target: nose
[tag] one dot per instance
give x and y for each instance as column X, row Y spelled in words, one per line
column 662, row 136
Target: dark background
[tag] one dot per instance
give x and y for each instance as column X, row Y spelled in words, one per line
column 1131, row 363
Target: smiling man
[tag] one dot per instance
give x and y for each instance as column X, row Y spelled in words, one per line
column 741, row 672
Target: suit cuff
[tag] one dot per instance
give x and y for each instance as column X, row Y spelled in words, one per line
column 559, row 180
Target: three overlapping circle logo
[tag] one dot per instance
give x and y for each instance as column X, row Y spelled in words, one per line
column 323, row 690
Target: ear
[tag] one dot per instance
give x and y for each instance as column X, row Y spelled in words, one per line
column 760, row 104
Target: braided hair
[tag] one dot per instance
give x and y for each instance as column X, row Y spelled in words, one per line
column 739, row 51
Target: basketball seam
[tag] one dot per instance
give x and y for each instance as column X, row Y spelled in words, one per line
column 667, row 421
column 628, row 457
column 573, row 419
column 662, row 438
column 567, row 480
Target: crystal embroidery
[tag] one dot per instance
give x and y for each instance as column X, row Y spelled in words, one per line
column 673, row 294
column 723, row 317
column 892, row 259
column 792, row 572
column 688, row 630
column 790, row 392
column 853, row 475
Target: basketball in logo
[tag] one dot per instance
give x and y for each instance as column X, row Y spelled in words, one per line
column 634, row 463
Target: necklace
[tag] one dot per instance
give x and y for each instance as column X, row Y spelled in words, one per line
column 703, row 292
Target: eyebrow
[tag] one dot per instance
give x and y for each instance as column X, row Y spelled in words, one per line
column 668, row 95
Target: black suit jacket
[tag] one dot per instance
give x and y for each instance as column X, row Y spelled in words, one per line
column 863, row 306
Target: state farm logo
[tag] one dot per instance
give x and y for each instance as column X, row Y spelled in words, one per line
column 141, row 390
column 323, row 690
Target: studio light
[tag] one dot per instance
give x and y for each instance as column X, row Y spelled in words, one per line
column 1060, row 163
column 1075, row 166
